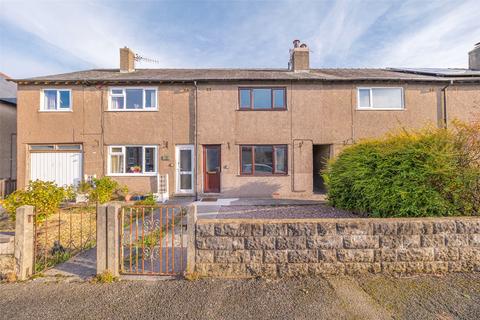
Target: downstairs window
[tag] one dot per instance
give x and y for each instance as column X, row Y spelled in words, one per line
column 259, row 160
column 132, row 160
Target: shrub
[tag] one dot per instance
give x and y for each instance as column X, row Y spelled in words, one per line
column 104, row 189
column 46, row 197
column 432, row 172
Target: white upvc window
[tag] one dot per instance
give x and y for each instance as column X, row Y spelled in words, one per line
column 380, row 98
column 56, row 100
column 132, row 160
column 131, row 99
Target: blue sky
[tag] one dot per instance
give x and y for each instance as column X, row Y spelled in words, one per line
column 46, row 37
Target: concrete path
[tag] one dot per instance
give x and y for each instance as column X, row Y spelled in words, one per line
column 79, row 268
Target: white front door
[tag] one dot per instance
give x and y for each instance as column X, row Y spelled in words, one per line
column 63, row 168
column 184, row 168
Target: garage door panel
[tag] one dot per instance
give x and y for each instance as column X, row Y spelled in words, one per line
column 63, row 168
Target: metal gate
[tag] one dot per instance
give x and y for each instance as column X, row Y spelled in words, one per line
column 152, row 240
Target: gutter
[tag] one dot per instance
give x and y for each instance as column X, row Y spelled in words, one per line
column 444, row 91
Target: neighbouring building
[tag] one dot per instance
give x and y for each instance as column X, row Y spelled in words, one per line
column 226, row 132
column 8, row 128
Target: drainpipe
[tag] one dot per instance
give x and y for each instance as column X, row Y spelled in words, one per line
column 444, row 90
column 12, row 156
column 195, row 141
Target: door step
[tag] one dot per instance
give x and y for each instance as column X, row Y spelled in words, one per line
column 209, row 199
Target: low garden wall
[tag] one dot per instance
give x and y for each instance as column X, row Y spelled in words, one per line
column 286, row 248
column 7, row 259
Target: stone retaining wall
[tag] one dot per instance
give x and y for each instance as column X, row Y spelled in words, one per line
column 7, row 260
column 285, row 248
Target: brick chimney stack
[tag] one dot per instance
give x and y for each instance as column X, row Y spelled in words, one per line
column 127, row 60
column 299, row 57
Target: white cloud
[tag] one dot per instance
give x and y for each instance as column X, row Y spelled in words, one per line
column 443, row 41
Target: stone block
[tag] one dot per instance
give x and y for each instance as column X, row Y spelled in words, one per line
column 275, row 229
column 385, row 255
column 456, row 240
column 329, row 255
column 470, row 254
column 219, row 243
column 362, row 268
column 355, row 255
column 435, row 267
column 204, row 256
column 414, row 267
column 409, row 228
column 415, row 254
column 256, row 256
column 261, row 270
column 411, row 241
column 432, row 240
column 257, row 229
column 326, row 228
column 225, row 270
column 232, row 229
column 325, row 242
column 302, row 256
column 301, row 229
column 468, row 226
column 205, row 230
column 475, row 240
column 446, row 254
column 455, row 266
column 390, row 242
column 292, row 243
column 384, row 228
column 260, row 243
column 361, row 242
column 354, row 228
column 275, row 256
column 228, row 256
column 290, row 270
column 448, row 226
column 426, row 228
column 394, row 267
column 317, row 269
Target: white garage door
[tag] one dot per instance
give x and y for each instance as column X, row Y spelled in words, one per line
column 63, row 168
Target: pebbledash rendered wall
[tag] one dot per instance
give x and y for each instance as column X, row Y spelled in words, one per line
column 286, row 248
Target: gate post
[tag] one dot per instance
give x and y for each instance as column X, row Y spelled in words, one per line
column 108, row 238
column 191, row 230
column 24, row 242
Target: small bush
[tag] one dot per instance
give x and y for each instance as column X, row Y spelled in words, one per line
column 105, row 277
column 433, row 172
column 46, row 197
column 104, row 190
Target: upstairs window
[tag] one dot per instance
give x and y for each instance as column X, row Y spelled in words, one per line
column 132, row 160
column 56, row 100
column 380, row 98
column 125, row 99
column 263, row 160
column 262, row 98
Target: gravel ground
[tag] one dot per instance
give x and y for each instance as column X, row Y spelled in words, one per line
column 295, row 211
column 370, row 297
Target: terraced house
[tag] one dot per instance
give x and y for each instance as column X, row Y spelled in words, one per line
column 227, row 132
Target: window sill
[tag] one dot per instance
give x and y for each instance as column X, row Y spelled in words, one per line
column 132, row 110
column 59, row 111
column 262, row 175
column 257, row 110
column 153, row 174
column 379, row 109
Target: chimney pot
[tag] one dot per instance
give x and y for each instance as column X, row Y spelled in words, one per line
column 127, row 60
column 296, row 43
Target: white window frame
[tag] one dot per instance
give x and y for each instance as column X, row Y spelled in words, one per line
column 402, row 107
column 124, row 95
column 57, row 108
column 124, row 152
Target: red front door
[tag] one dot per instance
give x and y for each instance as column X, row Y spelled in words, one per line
column 211, row 168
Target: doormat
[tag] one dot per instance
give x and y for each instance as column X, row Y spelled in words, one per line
column 210, row 199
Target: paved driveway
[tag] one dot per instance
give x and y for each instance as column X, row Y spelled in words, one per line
column 368, row 297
